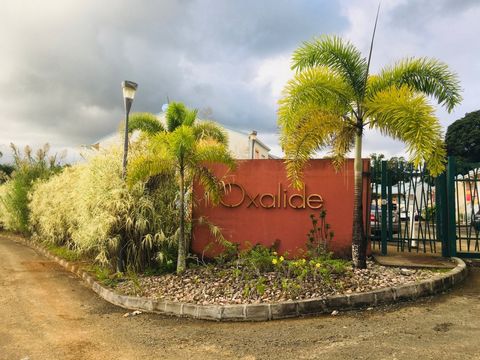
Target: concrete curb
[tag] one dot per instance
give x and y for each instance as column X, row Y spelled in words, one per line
column 263, row 312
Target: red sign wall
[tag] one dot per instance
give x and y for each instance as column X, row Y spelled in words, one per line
column 260, row 207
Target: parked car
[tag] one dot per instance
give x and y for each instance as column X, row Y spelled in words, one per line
column 376, row 220
column 404, row 215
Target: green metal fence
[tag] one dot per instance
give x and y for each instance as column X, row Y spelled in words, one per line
column 411, row 211
column 467, row 212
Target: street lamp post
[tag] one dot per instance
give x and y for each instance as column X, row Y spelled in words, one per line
column 129, row 88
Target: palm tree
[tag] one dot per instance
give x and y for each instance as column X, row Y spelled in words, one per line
column 332, row 98
column 186, row 148
column 147, row 123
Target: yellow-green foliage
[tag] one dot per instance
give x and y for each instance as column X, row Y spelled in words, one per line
column 6, row 220
column 51, row 206
column 89, row 208
column 29, row 167
column 333, row 97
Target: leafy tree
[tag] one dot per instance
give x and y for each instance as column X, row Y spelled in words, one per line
column 5, row 171
column 399, row 166
column 463, row 141
column 333, row 97
column 186, row 148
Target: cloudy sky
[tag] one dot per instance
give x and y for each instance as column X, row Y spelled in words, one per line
column 62, row 61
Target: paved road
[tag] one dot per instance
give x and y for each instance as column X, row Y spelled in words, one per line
column 47, row 313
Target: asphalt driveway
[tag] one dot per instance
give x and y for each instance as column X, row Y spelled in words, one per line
column 47, row 313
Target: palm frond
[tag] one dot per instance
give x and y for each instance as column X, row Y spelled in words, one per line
column 181, row 141
column 190, row 117
column 342, row 57
column 207, row 152
column 211, row 151
column 210, row 130
column 210, row 183
column 143, row 167
column 175, row 115
column 342, row 142
column 406, row 115
column 215, row 231
column 428, row 76
column 145, row 122
column 313, row 130
column 315, row 85
column 155, row 159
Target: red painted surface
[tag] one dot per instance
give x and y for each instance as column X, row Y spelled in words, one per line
column 278, row 220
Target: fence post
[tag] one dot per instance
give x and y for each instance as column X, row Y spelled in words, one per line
column 389, row 205
column 383, row 232
column 451, row 221
column 441, row 212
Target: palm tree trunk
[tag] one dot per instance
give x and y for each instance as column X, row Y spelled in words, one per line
column 182, row 251
column 359, row 246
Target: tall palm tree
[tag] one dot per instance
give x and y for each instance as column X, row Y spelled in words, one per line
column 333, row 98
column 185, row 147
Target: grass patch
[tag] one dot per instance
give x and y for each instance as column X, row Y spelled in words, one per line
column 63, row 252
column 104, row 275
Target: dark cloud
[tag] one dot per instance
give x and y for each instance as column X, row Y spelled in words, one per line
column 65, row 60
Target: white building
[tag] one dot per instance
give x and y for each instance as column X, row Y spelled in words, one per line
column 247, row 146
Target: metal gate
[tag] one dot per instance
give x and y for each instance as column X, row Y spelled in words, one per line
column 465, row 215
column 411, row 211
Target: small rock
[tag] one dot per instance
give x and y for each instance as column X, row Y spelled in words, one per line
column 136, row 312
column 334, row 312
column 405, row 272
column 369, row 309
column 127, row 315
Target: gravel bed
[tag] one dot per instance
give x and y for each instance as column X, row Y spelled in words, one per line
column 224, row 285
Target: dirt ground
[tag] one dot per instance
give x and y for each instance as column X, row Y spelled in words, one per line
column 47, row 313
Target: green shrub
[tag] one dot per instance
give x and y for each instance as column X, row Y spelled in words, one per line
column 89, row 209
column 6, row 220
column 258, row 258
column 319, row 236
column 28, row 169
column 259, row 263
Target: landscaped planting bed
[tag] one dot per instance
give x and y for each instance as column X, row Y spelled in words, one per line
column 235, row 283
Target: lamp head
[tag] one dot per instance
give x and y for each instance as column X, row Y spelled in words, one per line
column 129, row 88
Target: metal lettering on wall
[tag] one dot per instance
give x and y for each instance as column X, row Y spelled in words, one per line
column 280, row 200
